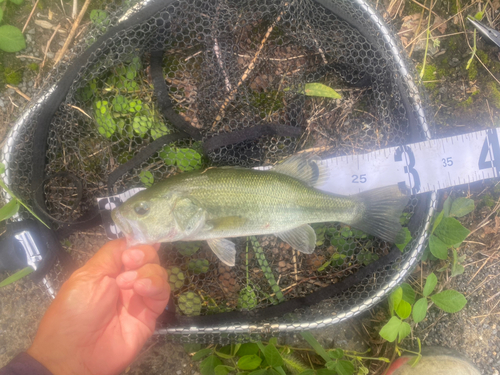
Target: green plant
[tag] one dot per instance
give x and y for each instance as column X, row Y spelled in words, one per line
column 477, row 17
column 270, row 358
column 402, row 307
column 447, row 232
column 11, row 38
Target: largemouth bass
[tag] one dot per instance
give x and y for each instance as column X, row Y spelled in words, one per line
column 220, row 203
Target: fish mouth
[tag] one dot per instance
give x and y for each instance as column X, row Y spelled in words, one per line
column 121, row 222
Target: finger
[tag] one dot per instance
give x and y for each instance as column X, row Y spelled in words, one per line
column 108, row 260
column 137, row 256
column 150, row 282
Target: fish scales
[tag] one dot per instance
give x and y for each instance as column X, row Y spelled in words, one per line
column 269, row 202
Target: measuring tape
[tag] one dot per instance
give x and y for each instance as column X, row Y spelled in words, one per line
column 417, row 168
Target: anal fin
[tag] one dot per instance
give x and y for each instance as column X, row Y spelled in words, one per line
column 302, row 238
column 224, row 249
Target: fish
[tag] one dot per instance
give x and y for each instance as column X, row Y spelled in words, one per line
column 226, row 202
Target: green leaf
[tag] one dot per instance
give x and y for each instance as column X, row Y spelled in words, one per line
column 279, row 370
column 391, row 329
column 198, row 266
column 451, row 231
column 449, row 301
column 318, row 89
column 247, row 299
column 17, row 2
column 325, row 371
column 315, row 345
column 437, row 221
column 223, row 370
column 190, row 304
column 336, row 353
column 447, row 206
column 405, row 238
column 308, row 372
column 394, row 299
column 259, row 372
column 438, row 248
column 201, row 354
column 224, row 355
column 17, row 276
column 147, row 178
column 408, row 293
column 9, row 210
column 273, row 356
column 344, row 368
column 461, row 207
column 247, row 349
column 478, row 16
column 1, row 14
column 403, row 310
column 430, row 284
column 404, row 330
column 2, row 168
column 208, row 365
column 99, row 17
column 11, row 39
column 249, row 362
column 420, row 310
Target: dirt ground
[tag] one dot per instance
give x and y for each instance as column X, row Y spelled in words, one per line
column 460, row 100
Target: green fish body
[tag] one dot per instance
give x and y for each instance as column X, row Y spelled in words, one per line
column 221, row 203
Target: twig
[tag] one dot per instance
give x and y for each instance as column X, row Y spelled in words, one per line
column 437, row 26
column 19, row 92
column 419, row 25
column 29, row 17
column 493, row 308
column 81, row 110
column 29, row 57
column 47, row 50
column 427, row 40
column 75, row 9
column 247, row 72
column 72, row 33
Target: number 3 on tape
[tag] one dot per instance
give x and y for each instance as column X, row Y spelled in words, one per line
column 409, row 168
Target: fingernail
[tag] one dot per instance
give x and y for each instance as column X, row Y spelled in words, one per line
column 128, row 276
column 146, row 283
column 137, row 256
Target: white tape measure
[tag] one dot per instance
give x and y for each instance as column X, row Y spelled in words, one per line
column 418, row 168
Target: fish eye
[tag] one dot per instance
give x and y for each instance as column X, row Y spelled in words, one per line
column 141, row 208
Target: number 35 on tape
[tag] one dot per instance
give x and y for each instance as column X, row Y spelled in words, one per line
column 419, row 167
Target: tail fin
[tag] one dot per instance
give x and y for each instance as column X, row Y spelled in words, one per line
column 382, row 209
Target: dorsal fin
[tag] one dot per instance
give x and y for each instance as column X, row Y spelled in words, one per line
column 304, row 167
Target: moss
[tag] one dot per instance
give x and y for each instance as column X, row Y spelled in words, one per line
column 488, row 200
column 413, row 8
column 483, row 56
column 429, row 75
column 13, row 77
column 467, row 103
column 493, row 94
column 472, row 70
column 33, row 66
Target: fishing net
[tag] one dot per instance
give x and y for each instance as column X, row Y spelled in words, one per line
column 161, row 87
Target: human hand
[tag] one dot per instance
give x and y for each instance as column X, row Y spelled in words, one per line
column 104, row 313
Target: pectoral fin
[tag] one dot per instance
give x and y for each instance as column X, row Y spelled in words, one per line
column 224, row 249
column 302, row 238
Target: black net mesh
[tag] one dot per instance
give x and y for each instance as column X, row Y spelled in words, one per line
column 229, row 65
